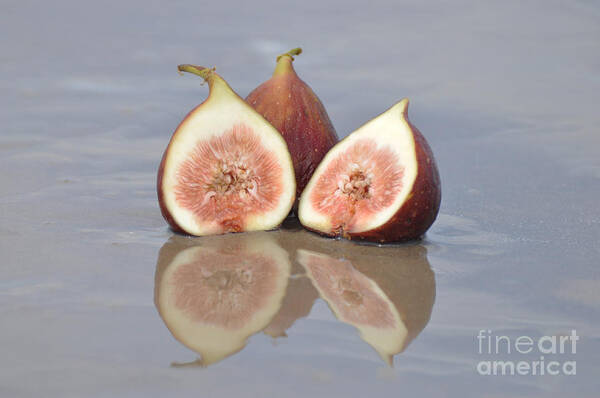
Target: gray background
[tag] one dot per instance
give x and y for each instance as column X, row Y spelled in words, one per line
column 506, row 93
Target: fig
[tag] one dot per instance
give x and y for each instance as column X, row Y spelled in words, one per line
column 215, row 293
column 386, row 293
column 379, row 184
column 295, row 110
column 226, row 169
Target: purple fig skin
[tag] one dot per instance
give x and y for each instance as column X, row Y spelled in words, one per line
column 292, row 107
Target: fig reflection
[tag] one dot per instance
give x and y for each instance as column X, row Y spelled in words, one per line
column 299, row 299
column 213, row 293
column 386, row 293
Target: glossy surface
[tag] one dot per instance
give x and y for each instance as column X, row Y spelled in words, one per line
column 506, row 94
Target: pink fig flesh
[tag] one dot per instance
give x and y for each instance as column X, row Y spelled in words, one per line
column 357, row 299
column 220, row 180
column 223, row 289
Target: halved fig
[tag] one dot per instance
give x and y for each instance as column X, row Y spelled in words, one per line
column 379, row 184
column 386, row 293
column 226, row 168
column 214, row 294
column 295, row 110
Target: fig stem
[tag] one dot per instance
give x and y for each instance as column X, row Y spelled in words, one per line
column 291, row 53
column 284, row 62
column 202, row 71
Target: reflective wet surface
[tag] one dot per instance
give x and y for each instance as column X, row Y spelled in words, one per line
column 506, row 95
column 214, row 293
